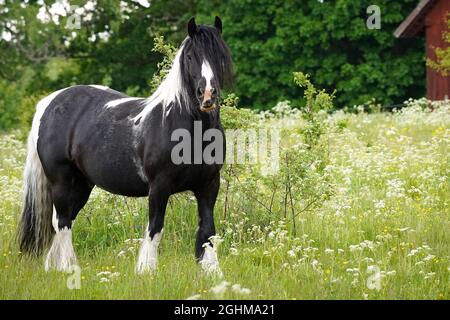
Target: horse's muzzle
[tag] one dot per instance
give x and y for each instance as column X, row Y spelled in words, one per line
column 208, row 106
column 207, row 99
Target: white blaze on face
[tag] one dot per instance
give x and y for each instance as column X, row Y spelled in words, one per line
column 148, row 254
column 208, row 74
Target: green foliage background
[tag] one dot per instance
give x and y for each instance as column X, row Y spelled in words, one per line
column 268, row 40
column 329, row 41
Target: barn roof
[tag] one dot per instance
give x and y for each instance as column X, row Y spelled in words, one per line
column 414, row 23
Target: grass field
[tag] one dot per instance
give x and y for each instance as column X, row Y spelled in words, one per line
column 384, row 233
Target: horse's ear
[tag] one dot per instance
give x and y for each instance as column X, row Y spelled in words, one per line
column 218, row 24
column 192, row 27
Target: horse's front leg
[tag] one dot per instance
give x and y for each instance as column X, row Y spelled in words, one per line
column 148, row 254
column 205, row 252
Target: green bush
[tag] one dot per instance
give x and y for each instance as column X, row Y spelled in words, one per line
column 168, row 52
column 234, row 118
column 26, row 111
column 302, row 182
column 9, row 100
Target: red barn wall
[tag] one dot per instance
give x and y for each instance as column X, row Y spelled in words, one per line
column 438, row 87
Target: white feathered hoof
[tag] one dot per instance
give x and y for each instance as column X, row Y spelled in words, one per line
column 209, row 261
column 61, row 256
column 148, row 254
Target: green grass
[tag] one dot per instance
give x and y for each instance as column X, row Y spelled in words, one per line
column 389, row 210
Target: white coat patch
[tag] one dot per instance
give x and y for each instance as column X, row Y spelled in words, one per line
column 40, row 109
column 96, row 86
column 115, row 103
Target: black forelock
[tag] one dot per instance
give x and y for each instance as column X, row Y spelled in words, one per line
column 210, row 43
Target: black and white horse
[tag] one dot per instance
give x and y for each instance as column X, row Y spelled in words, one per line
column 86, row 136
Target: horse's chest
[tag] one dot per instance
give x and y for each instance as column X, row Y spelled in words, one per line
column 192, row 177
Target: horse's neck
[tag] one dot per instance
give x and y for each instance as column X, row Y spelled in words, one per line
column 210, row 120
column 187, row 117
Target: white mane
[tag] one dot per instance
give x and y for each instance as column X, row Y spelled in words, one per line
column 170, row 90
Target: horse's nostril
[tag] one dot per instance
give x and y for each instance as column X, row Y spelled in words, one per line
column 200, row 91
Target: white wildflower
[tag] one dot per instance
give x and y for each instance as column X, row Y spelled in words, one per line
column 220, row 288
column 428, row 257
column 238, row 289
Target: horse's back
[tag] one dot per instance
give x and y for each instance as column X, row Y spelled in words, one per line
column 88, row 129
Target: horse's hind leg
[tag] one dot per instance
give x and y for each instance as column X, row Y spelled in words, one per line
column 70, row 191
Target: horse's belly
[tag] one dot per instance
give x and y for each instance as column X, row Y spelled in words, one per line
column 133, row 191
column 116, row 175
column 130, row 185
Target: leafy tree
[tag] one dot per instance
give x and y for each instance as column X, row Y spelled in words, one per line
column 120, row 29
column 42, row 50
column 328, row 40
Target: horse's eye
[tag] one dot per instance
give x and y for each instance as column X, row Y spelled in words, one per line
column 189, row 57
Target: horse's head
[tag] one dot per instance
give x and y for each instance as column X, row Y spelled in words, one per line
column 206, row 64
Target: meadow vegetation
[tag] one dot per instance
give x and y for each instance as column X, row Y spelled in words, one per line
column 359, row 209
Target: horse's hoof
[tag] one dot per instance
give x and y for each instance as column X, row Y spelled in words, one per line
column 209, row 261
column 61, row 256
column 148, row 254
column 60, row 267
column 211, row 270
column 145, row 268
